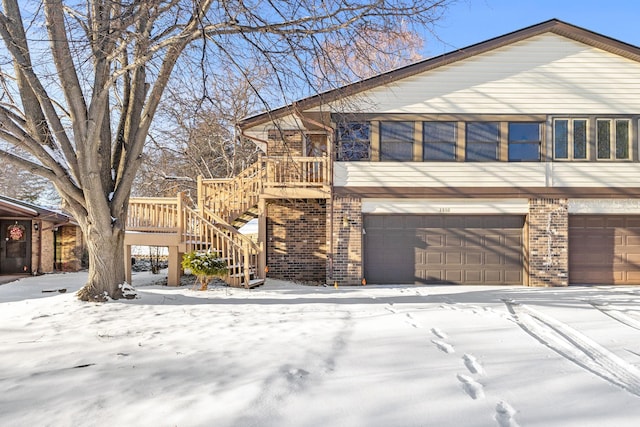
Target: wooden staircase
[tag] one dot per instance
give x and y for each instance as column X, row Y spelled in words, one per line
column 224, row 205
column 177, row 225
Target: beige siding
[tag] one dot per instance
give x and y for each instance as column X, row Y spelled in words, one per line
column 609, row 174
column 396, row 174
column 546, row 74
column 447, row 206
column 425, row 174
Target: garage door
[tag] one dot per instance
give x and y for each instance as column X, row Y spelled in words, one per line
column 604, row 249
column 455, row 249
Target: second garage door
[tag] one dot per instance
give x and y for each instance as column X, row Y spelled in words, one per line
column 604, row 249
column 455, row 249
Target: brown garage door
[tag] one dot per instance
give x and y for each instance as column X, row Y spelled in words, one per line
column 604, row 249
column 453, row 249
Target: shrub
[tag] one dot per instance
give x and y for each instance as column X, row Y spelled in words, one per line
column 205, row 266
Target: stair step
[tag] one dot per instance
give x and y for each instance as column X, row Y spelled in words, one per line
column 254, row 283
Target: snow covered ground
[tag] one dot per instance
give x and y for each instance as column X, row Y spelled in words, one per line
column 292, row 355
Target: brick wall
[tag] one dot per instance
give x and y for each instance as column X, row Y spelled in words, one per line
column 548, row 231
column 345, row 265
column 48, row 249
column 296, row 240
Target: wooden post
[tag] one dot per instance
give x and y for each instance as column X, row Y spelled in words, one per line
column 173, row 275
column 180, row 218
column 200, row 194
column 262, row 238
column 127, row 263
column 246, row 265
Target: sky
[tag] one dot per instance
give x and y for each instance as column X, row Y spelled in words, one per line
column 474, row 21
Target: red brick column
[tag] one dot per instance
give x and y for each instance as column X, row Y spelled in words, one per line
column 548, row 222
column 345, row 261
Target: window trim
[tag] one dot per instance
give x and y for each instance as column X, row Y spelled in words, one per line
column 613, row 139
column 339, row 152
column 382, row 141
column 499, row 141
column 570, row 139
column 454, row 125
column 538, row 142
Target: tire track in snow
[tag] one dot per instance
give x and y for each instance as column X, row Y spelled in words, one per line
column 616, row 314
column 576, row 347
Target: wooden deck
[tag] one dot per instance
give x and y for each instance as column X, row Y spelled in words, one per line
column 182, row 227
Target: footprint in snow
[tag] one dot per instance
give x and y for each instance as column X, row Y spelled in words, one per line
column 472, row 364
column 505, row 415
column 474, row 389
column 411, row 322
column 440, row 334
column 443, row 346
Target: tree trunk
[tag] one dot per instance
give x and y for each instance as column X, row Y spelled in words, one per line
column 106, row 264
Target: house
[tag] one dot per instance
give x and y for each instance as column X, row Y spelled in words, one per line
column 514, row 161
column 35, row 240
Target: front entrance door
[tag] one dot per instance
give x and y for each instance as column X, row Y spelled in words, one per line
column 15, row 247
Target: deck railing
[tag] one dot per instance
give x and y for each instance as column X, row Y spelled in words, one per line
column 156, row 214
column 231, row 197
column 198, row 231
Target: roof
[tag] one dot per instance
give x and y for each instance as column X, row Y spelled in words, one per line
column 17, row 208
column 552, row 26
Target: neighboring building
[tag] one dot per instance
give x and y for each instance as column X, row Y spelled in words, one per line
column 35, row 240
column 513, row 161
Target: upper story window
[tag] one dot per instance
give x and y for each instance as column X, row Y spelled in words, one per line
column 612, row 141
column 591, row 139
column 524, row 142
column 396, row 141
column 439, row 141
column 482, row 141
column 354, row 141
column 570, row 139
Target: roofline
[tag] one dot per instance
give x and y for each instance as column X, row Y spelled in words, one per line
column 33, row 210
column 552, row 26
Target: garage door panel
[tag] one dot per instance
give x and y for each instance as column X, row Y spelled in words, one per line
column 453, row 241
column 492, row 276
column 434, row 240
column 604, row 249
column 493, row 258
column 473, row 276
column 454, row 276
column 453, row 258
column 445, row 249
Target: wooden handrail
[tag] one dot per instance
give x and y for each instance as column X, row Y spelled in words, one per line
column 198, row 231
column 231, row 197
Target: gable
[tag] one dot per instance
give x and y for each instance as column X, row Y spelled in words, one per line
column 544, row 74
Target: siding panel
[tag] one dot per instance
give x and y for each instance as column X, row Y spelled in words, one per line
column 485, row 175
column 543, row 74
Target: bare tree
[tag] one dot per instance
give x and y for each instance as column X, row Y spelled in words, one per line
column 370, row 52
column 85, row 79
column 201, row 139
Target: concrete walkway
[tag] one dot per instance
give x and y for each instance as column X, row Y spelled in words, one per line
column 11, row 278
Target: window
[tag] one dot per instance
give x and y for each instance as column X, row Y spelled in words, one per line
column 439, row 141
column 396, row 141
column 354, row 141
column 482, row 141
column 524, row 142
column 612, row 139
column 570, row 139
